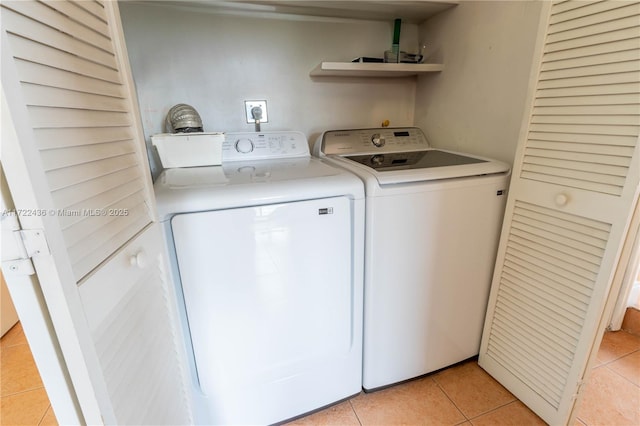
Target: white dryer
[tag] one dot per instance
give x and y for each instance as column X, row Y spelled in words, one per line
column 267, row 252
column 433, row 221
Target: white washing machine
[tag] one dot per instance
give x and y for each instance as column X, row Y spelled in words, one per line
column 433, row 221
column 267, row 251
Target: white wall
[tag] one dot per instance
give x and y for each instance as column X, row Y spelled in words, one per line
column 476, row 103
column 216, row 62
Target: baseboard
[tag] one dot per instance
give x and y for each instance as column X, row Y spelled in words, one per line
column 631, row 321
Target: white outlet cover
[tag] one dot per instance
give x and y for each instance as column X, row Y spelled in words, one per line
column 249, row 105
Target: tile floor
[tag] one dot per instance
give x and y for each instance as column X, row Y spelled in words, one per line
column 460, row 395
column 23, row 400
column 466, row 395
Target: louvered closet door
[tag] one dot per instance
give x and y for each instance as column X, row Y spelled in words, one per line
column 80, row 113
column 78, row 161
column 574, row 187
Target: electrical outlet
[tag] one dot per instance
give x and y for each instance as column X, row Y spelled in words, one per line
column 249, row 105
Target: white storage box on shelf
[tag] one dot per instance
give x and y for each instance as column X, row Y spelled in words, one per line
column 189, row 149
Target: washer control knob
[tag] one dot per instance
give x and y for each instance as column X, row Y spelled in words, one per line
column 244, row 146
column 378, row 140
column 377, row 160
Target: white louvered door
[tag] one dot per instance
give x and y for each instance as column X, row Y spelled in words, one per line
column 574, row 188
column 74, row 158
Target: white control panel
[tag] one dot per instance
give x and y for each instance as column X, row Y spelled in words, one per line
column 377, row 140
column 243, row 146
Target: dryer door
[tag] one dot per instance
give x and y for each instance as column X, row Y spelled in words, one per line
column 269, row 298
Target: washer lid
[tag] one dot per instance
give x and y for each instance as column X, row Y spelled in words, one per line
column 416, row 166
column 413, row 160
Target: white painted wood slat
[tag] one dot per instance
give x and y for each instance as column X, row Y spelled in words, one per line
column 589, row 99
column 86, row 226
column 562, row 6
column 47, row 16
column 595, row 39
column 82, row 16
column 603, row 68
column 539, row 240
column 584, row 230
column 49, row 138
column 98, row 201
column 28, row 28
column 66, row 177
column 592, row 50
column 621, row 15
column 53, row 159
column 626, row 141
column 73, row 195
column 612, row 79
column 573, row 298
column 61, row 117
column 599, row 9
column 571, row 183
column 555, row 365
column 50, row 56
column 592, row 119
column 84, row 247
column 628, row 55
column 541, row 273
column 46, row 76
column 36, row 95
column 553, row 234
column 623, row 153
column 581, row 157
column 96, row 8
column 550, row 159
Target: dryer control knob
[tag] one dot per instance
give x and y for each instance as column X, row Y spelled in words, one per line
column 378, row 140
column 244, row 146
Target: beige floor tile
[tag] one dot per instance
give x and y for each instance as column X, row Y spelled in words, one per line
column 578, row 422
column 472, row 390
column 13, row 337
column 341, row 414
column 617, row 344
column 628, row 367
column 514, row 413
column 609, row 400
column 49, row 418
column 18, row 370
column 25, row 408
column 418, row 402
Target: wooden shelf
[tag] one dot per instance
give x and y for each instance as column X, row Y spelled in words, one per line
column 413, row 11
column 371, row 69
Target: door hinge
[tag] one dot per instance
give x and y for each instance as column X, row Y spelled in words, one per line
column 580, row 386
column 18, row 267
column 34, row 242
column 26, row 244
